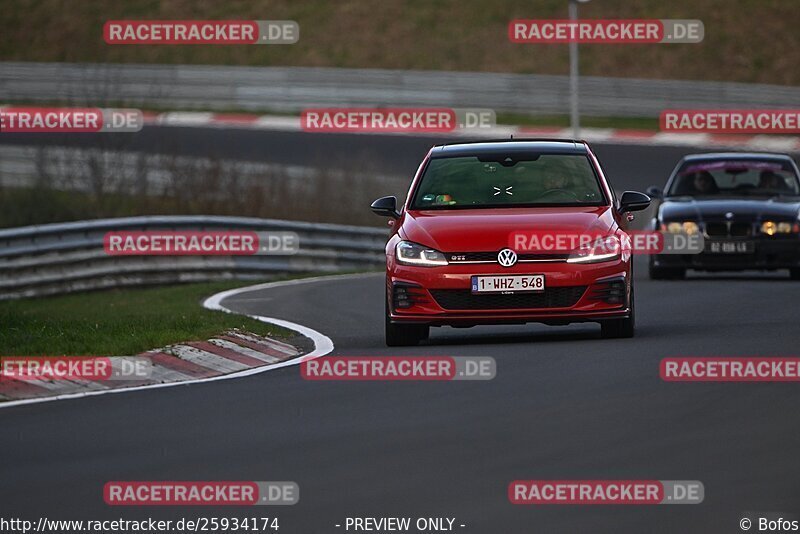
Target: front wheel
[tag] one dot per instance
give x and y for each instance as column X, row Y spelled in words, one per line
column 404, row 335
column 620, row 328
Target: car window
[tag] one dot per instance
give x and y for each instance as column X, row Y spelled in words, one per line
column 508, row 180
column 735, row 177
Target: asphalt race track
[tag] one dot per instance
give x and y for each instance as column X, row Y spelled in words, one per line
column 564, row 405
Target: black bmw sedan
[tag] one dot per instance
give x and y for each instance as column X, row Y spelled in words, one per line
column 746, row 207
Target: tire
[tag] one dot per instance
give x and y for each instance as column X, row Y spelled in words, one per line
column 404, row 335
column 666, row 273
column 794, row 273
column 620, row 328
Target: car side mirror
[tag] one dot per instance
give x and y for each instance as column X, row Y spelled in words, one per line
column 655, row 192
column 633, row 201
column 385, row 207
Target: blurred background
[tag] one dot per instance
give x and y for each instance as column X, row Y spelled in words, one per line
column 410, row 53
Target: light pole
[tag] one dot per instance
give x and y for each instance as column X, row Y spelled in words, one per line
column 574, row 116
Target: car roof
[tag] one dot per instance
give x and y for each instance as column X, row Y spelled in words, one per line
column 737, row 155
column 555, row 146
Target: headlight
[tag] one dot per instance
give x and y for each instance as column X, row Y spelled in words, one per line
column 772, row 228
column 687, row 227
column 409, row 253
column 602, row 249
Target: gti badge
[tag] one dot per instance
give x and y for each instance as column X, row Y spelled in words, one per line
column 506, row 257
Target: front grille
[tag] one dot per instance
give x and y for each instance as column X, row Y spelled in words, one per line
column 467, row 257
column 721, row 229
column 464, row 299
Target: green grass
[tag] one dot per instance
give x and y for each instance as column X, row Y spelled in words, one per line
column 118, row 322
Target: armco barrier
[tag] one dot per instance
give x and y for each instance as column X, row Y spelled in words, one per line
column 64, row 257
column 293, row 88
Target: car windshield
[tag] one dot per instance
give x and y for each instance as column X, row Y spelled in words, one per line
column 508, row 180
column 735, row 178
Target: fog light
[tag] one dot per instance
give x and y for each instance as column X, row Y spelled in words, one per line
column 609, row 291
column 405, row 296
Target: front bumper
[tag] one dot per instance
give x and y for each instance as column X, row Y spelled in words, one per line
column 442, row 295
column 770, row 253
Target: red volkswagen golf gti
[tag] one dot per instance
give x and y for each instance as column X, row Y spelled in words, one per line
column 459, row 252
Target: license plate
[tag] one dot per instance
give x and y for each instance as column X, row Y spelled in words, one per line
column 508, row 284
column 731, row 247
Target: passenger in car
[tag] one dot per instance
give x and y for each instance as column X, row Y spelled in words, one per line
column 770, row 180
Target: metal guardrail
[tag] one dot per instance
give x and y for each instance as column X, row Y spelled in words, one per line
column 293, row 88
column 65, row 257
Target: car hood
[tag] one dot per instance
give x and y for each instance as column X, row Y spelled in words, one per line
column 476, row 230
column 692, row 209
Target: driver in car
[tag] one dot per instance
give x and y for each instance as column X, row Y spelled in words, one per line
column 704, row 183
column 554, row 182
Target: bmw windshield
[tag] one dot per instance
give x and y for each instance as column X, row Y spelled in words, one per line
column 507, row 181
column 732, row 177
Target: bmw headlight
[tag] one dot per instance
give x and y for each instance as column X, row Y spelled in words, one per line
column 410, row 253
column 686, row 227
column 772, row 227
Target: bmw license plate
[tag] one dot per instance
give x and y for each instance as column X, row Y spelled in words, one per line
column 731, row 247
column 508, row 284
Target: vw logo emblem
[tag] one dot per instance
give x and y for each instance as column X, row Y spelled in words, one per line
column 729, row 215
column 506, row 257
